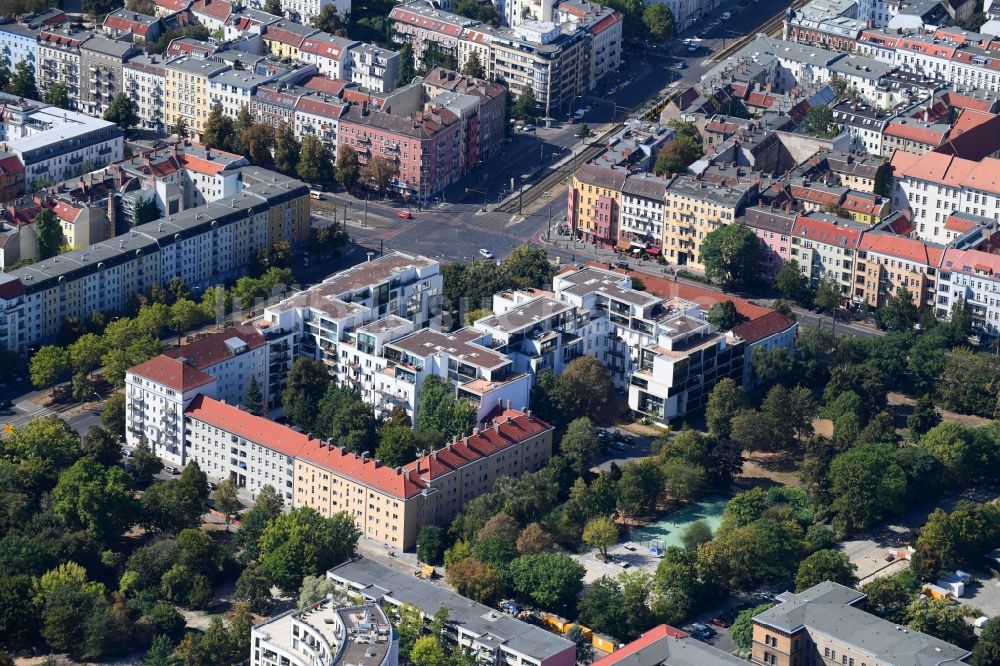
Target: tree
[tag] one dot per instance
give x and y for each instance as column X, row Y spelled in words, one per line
column 731, row 255
column 580, row 444
column 724, row 402
column 724, row 316
column 552, row 581
column 790, row 281
column 427, row 651
column 473, row 66
column 253, row 587
column 180, row 128
column 253, row 523
column 824, row 565
column 315, row 162
column 227, row 499
column 66, row 599
column 527, row 266
column 898, row 313
column 57, row 95
column 586, row 387
column 828, row 294
column 924, row 417
column 146, row 211
column 82, row 388
column 145, row 464
column 407, row 66
column 475, row 580
column 254, row 401
column 431, row 544
column 526, row 106
column 695, row 534
column 819, row 122
column 964, row 451
column 970, row 382
column 941, row 619
column 867, row 485
column 307, row 384
column 397, row 446
column 533, row 539
column 303, row 543
column 286, row 149
column 348, row 171
column 23, row 83
column 102, row 446
column 50, row 235
column 638, row 488
column 501, row 526
column 659, row 21
column 218, row 128
column 441, row 415
column 378, row 173
column 600, row 533
column 960, row 321
column 742, row 627
column 987, row 650
column 122, row 111
column 184, row 316
column 888, row 597
column 48, row 365
column 170, row 506
column 677, row 156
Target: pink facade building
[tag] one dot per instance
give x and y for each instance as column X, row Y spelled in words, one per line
column 773, row 227
column 427, row 147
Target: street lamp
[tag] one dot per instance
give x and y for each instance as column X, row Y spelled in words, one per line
column 484, row 192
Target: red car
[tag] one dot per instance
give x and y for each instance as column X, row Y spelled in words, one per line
column 404, row 215
column 718, row 622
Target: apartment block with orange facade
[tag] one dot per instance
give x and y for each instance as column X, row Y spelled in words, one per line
column 887, row 263
column 826, row 626
column 389, row 504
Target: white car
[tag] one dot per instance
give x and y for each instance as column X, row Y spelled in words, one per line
column 485, row 254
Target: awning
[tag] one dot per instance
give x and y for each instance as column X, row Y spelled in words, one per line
column 637, row 250
column 652, row 250
column 624, row 245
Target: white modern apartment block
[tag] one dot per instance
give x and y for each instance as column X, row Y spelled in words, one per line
column 330, row 54
column 325, row 321
column 158, row 391
column 144, row 79
column 19, row 43
column 326, row 633
column 374, row 68
column 974, row 276
column 54, row 144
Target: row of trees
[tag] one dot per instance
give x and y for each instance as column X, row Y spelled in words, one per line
column 115, row 346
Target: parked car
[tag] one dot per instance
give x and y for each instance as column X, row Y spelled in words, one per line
column 126, row 453
column 718, row 622
column 485, row 254
column 171, row 470
column 528, row 128
column 404, row 215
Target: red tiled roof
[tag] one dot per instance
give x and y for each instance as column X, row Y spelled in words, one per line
column 325, row 84
column 11, row 165
column 971, row 262
column 258, row 429
column 652, row 636
column 605, row 23
column 204, row 166
column 213, row 349
column 959, row 224
column 907, row 249
column 217, row 9
column 507, row 429
column 172, row 5
column 916, row 133
column 319, row 46
column 66, row 212
column 437, row 25
column 826, row 232
column 970, row 118
column 121, row 23
column 11, row 289
column 859, row 202
column 172, row 373
column 814, row 195
column 763, row 327
column 188, row 46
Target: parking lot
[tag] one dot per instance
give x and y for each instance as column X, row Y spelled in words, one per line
column 984, row 594
column 619, row 447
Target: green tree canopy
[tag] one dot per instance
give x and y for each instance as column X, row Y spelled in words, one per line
column 659, row 21
column 303, row 543
column 552, row 581
column 122, row 111
column 50, row 235
column 825, row 565
column 731, row 255
column 819, row 122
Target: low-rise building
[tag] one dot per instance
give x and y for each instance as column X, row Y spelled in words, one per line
column 285, row 38
column 213, row 14
column 374, row 68
column 826, row 624
column 667, row 646
column 328, row 631
column 496, row 636
column 330, row 54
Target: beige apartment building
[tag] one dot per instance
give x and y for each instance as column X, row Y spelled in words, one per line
column 692, row 209
column 187, row 92
column 392, row 504
column 826, row 626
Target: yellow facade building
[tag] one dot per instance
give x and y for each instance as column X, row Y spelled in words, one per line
column 593, row 203
column 186, row 92
column 694, row 208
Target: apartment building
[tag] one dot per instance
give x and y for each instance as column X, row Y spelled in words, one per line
column 54, row 144
column 218, row 366
column 826, row 624
column 491, row 109
column 497, row 637
column 178, row 177
column 830, row 24
column 187, row 91
column 374, row 68
column 593, row 203
column 933, row 187
column 328, row 632
column 973, row 276
column 330, row 54
column 427, row 148
column 773, row 227
column 234, row 89
column 425, row 26
column 59, row 59
column 666, row 646
column 823, row 245
column 640, row 220
column 862, row 173
column 101, row 64
column 19, row 43
column 887, row 263
column 605, row 27
column 304, row 11
column 213, row 14
column 138, row 27
column 202, row 246
column 144, row 80
column 284, row 38
column 168, row 8
column 693, row 208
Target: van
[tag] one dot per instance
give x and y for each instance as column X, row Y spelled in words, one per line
column 315, row 194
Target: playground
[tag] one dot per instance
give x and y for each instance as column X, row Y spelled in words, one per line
column 642, row 546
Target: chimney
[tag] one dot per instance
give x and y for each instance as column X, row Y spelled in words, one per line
column 208, row 153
